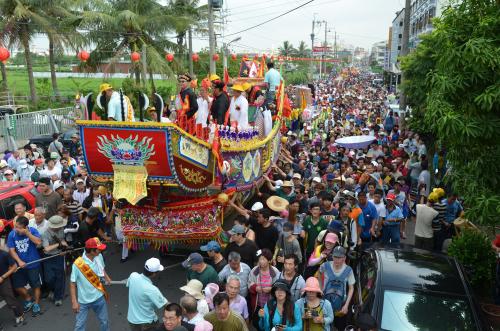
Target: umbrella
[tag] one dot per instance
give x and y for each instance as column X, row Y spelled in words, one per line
column 355, row 141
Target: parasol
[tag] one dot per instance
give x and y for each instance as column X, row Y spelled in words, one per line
column 355, row 141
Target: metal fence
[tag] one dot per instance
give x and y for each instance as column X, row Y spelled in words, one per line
column 27, row 125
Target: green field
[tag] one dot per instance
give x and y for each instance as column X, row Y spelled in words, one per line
column 19, row 86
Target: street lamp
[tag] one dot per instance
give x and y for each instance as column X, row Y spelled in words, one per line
column 225, row 52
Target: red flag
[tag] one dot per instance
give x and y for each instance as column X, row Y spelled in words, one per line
column 216, row 148
column 287, row 108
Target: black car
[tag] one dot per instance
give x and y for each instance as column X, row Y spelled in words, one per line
column 44, row 140
column 408, row 289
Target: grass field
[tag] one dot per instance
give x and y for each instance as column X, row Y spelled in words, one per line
column 18, row 84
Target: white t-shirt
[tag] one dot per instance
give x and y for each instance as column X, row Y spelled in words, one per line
column 239, row 111
column 423, row 224
column 80, row 196
column 380, row 208
column 41, row 228
column 49, row 173
column 425, row 178
column 202, row 113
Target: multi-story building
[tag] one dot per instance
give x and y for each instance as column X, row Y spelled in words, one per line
column 396, row 40
column 378, row 53
column 421, row 13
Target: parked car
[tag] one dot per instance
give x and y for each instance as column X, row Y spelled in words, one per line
column 412, row 289
column 12, row 193
column 44, row 140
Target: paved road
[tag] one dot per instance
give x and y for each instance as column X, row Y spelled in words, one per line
column 62, row 318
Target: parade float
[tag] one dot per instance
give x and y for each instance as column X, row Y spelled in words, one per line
column 176, row 184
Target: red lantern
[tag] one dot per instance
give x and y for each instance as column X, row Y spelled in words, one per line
column 135, row 57
column 234, row 57
column 169, row 57
column 195, row 57
column 4, row 54
column 83, row 56
column 215, row 57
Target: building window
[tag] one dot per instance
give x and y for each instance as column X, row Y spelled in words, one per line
column 401, row 23
column 400, row 35
column 399, row 48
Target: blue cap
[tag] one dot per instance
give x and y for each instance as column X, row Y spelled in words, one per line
column 211, row 246
column 194, row 258
column 330, row 176
column 336, row 225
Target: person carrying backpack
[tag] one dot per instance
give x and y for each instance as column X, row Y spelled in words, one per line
column 317, row 313
column 337, row 283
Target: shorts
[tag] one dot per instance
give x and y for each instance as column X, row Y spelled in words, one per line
column 27, row 276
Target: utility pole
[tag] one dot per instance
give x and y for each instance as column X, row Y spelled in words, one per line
column 405, row 49
column 325, row 46
column 211, row 37
column 144, row 65
column 335, row 46
column 312, row 46
column 190, row 45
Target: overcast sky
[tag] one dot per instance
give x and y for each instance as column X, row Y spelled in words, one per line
column 357, row 23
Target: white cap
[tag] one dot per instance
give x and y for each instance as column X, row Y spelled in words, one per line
column 289, row 133
column 278, row 183
column 80, row 181
column 23, row 164
column 374, row 163
column 153, row 265
column 297, row 175
column 317, row 179
column 58, row 184
column 257, row 206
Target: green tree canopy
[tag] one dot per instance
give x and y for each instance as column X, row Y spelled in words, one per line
column 453, row 86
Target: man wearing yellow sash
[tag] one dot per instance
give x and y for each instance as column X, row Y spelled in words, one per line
column 87, row 275
column 119, row 106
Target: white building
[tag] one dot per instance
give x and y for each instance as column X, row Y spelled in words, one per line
column 396, row 40
column 378, row 53
column 421, row 13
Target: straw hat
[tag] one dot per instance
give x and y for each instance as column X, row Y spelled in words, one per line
column 238, row 88
column 246, row 86
column 287, row 183
column 277, row 203
column 194, row 287
column 312, row 285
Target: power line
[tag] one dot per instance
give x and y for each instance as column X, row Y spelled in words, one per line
column 272, row 19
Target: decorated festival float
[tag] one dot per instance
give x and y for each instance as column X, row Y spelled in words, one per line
column 177, row 185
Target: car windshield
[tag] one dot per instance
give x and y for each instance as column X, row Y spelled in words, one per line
column 405, row 311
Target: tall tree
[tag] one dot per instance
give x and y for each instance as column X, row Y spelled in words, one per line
column 21, row 20
column 287, row 49
column 303, row 50
column 452, row 81
column 119, row 27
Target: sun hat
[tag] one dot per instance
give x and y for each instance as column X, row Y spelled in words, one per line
column 312, row 285
column 57, row 221
column 297, row 175
column 193, row 258
column 237, row 229
column 23, row 164
column 153, row 265
column 276, row 203
column 238, row 87
column 246, row 86
column 339, row 251
column 95, row 243
column 287, row 183
column 104, row 87
column 211, row 246
column 332, row 238
column 257, row 206
column 194, row 287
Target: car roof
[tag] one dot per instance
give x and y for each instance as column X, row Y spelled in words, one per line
column 7, row 187
column 414, row 269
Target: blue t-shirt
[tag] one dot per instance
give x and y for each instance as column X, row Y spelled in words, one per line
column 369, row 214
column 273, row 78
column 452, row 210
column 25, row 248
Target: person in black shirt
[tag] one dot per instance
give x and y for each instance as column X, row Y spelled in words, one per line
column 246, row 248
column 188, row 97
column 7, row 267
column 89, row 227
column 213, row 250
column 220, row 104
column 266, row 234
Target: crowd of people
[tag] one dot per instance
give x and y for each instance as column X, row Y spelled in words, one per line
column 289, row 263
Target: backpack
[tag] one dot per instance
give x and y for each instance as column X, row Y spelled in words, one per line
column 335, row 289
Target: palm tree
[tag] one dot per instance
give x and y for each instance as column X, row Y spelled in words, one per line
column 130, row 26
column 21, row 20
column 302, row 50
column 286, row 49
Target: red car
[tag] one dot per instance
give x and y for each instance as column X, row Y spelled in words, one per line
column 12, row 193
